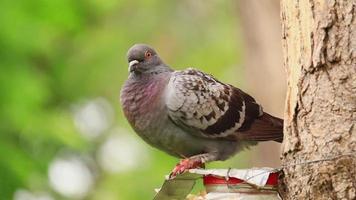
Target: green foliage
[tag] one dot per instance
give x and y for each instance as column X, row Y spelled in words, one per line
column 56, row 54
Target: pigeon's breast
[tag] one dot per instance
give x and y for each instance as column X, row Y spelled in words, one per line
column 142, row 101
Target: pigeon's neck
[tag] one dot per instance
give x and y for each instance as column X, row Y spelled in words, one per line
column 150, row 73
column 148, row 78
column 142, row 97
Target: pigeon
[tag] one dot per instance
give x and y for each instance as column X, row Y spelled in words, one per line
column 190, row 114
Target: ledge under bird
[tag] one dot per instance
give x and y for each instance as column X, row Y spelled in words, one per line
column 190, row 114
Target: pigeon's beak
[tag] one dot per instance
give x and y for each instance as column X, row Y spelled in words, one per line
column 133, row 65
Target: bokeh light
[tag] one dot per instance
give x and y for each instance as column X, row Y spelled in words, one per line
column 122, row 152
column 93, row 117
column 70, row 177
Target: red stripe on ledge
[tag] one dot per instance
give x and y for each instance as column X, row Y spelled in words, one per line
column 214, row 180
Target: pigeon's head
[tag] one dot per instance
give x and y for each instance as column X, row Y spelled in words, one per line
column 144, row 59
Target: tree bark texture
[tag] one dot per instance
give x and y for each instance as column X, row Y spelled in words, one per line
column 319, row 42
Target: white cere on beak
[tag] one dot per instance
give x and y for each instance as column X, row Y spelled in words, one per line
column 132, row 63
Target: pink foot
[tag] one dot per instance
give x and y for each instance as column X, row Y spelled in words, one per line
column 184, row 165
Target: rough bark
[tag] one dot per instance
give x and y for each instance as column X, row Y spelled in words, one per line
column 265, row 76
column 319, row 42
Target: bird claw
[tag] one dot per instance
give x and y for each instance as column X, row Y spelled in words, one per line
column 184, row 165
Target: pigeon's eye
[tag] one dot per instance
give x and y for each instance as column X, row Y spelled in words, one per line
column 148, row 54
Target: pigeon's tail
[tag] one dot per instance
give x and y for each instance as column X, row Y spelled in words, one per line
column 265, row 128
column 277, row 123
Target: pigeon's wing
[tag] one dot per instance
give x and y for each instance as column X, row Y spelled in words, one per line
column 206, row 107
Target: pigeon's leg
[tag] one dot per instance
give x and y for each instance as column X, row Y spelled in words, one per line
column 197, row 161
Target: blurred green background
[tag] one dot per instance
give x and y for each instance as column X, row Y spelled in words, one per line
column 62, row 64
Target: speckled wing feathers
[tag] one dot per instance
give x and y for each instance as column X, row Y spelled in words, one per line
column 200, row 103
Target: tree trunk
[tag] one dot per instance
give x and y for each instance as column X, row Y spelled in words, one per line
column 319, row 42
column 265, row 76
